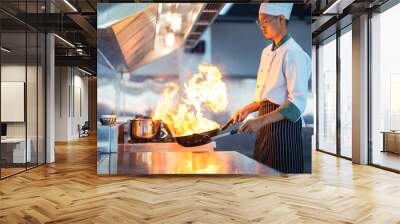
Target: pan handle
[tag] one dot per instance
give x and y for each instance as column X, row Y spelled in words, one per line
column 226, row 125
column 234, row 131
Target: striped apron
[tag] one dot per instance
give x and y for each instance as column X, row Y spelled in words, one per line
column 279, row 145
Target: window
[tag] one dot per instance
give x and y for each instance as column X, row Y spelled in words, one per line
column 346, row 92
column 385, row 89
column 327, row 96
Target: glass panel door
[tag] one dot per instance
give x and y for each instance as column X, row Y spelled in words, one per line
column 14, row 154
column 31, row 99
column 346, row 93
column 327, row 96
column 22, row 90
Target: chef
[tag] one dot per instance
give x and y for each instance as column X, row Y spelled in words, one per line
column 281, row 94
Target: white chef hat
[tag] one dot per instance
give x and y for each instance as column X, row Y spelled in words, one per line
column 276, row 9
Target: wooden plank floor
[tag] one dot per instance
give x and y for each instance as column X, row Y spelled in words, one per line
column 69, row 191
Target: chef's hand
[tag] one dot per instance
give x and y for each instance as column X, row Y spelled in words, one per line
column 252, row 125
column 240, row 115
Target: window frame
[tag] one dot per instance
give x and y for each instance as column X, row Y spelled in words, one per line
column 333, row 37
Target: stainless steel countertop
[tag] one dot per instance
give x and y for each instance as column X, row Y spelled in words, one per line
column 164, row 147
column 145, row 163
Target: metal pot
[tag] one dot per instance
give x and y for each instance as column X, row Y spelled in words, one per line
column 145, row 128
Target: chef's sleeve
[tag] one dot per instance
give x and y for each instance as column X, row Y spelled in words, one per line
column 289, row 111
column 297, row 71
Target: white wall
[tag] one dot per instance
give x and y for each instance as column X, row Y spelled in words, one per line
column 70, row 83
column 62, row 81
column 80, row 83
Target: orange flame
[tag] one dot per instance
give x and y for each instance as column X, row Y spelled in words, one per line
column 184, row 115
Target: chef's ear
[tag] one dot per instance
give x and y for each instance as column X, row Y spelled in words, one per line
column 282, row 19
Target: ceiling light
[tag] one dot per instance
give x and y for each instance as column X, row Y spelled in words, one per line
column 157, row 28
column 5, row 50
column 64, row 40
column 84, row 71
column 194, row 16
column 70, row 5
column 225, row 9
column 170, row 39
column 176, row 22
column 337, row 7
column 168, row 17
column 159, row 9
column 126, row 76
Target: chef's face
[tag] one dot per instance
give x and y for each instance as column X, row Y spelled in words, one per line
column 271, row 26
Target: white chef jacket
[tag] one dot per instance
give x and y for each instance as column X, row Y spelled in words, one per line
column 283, row 75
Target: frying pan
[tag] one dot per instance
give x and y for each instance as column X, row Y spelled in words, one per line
column 216, row 131
column 204, row 137
column 200, row 139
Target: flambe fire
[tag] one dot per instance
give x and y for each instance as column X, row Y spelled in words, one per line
column 184, row 114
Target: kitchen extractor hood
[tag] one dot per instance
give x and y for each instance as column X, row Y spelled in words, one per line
column 154, row 31
column 207, row 16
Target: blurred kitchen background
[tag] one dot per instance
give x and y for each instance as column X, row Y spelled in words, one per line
column 142, row 47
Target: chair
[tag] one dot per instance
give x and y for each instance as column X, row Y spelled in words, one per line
column 84, row 130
